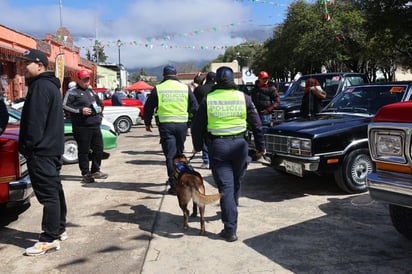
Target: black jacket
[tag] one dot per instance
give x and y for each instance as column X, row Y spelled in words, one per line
column 42, row 124
column 75, row 100
column 202, row 90
column 4, row 116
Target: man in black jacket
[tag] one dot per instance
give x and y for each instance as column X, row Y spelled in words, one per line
column 86, row 110
column 200, row 93
column 41, row 141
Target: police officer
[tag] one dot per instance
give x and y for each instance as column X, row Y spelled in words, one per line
column 222, row 120
column 172, row 102
column 265, row 97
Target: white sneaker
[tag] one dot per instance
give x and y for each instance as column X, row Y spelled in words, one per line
column 63, row 236
column 41, row 248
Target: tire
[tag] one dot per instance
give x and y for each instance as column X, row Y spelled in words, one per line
column 401, row 218
column 123, row 124
column 70, row 150
column 351, row 175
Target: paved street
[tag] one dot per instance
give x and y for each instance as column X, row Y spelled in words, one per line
column 126, row 224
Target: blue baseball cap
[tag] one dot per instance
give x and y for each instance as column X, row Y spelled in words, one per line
column 169, row 70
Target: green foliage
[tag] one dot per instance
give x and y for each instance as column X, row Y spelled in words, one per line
column 361, row 36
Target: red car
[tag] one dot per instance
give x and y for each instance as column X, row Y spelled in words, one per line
column 15, row 184
column 105, row 95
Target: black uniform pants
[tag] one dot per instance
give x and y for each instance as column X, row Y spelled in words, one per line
column 228, row 160
column 89, row 140
column 172, row 139
column 44, row 173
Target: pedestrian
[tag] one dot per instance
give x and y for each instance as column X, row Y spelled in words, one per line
column 172, row 102
column 197, row 81
column 222, row 119
column 312, row 98
column 71, row 85
column 141, row 96
column 265, row 97
column 4, row 116
column 41, row 142
column 85, row 110
column 200, row 93
column 117, row 98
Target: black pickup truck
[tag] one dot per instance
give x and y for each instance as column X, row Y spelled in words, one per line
column 335, row 141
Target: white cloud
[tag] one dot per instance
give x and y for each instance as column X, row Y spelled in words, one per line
column 153, row 32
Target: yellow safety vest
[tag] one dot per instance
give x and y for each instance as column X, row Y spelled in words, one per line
column 173, row 102
column 226, row 112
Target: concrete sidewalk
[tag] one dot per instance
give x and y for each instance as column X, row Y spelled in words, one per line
column 172, row 250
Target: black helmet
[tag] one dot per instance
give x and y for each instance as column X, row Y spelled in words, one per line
column 224, row 73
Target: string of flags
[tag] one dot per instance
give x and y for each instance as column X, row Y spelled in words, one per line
column 324, row 4
column 163, row 41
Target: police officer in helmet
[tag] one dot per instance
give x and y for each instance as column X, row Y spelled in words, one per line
column 172, row 102
column 221, row 121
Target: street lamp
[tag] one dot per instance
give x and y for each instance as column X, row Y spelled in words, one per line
column 119, row 43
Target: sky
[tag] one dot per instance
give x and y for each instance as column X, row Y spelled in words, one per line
column 152, row 32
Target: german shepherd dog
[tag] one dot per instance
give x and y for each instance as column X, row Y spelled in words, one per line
column 189, row 185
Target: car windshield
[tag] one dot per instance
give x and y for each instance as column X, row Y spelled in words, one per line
column 14, row 115
column 328, row 82
column 365, row 99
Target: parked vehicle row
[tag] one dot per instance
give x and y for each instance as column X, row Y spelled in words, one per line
column 70, row 145
column 15, row 184
column 122, row 118
column 334, row 141
column 390, row 145
column 105, row 95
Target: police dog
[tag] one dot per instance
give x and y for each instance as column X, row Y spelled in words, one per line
column 189, row 185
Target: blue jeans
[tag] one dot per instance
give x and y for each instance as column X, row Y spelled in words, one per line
column 205, row 154
column 266, row 119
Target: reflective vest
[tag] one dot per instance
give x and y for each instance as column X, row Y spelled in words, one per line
column 173, row 102
column 226, row 112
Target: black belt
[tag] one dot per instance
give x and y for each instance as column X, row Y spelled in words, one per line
column 235, row 136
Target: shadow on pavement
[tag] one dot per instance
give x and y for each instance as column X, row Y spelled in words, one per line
column 322, row 244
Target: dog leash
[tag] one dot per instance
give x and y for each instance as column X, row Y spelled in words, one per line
column 190, row 159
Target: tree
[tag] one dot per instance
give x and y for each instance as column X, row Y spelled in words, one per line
column 244, row 53
column 98, row 55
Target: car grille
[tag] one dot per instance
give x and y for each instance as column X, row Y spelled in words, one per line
column 276, row 143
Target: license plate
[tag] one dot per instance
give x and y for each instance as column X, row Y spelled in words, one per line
column 293, row 168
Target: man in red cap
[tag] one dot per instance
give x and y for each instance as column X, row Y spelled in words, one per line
column 86, row 110
column 265, row 97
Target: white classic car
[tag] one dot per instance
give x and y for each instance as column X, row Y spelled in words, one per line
column 122, row 117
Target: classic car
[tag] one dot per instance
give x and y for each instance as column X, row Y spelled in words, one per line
column 390, row 146
column 15, row 184
column 335, row 140
column 70, row 145
column 333, row 83
column 105, row 95
column 122, row 117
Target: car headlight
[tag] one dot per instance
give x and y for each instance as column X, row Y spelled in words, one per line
column 388, row 146
column 300, row 146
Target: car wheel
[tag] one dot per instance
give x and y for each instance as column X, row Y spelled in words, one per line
column 70, row 150
column 401, row 218
column 123, row 124
column 351, row 175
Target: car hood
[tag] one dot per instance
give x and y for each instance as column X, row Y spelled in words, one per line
column 322, row 124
